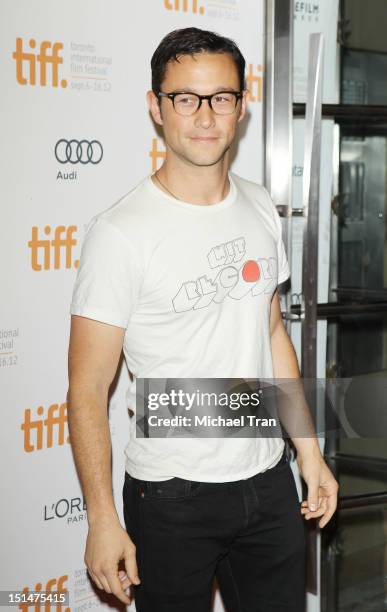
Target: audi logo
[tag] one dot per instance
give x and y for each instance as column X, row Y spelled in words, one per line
column 78, row 151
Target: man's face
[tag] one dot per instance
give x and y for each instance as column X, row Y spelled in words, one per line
column 203, row 138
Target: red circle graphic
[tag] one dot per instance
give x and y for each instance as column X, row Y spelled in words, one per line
column 251, row 271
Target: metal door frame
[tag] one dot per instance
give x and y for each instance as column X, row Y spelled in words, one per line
column 279, row 155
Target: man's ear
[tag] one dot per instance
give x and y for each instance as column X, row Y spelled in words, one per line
column 244, row 100
column 153, row 103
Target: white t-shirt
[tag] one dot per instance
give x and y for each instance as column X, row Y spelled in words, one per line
column 192, row 286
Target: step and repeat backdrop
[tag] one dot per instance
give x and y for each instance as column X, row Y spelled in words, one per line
column 76, row 136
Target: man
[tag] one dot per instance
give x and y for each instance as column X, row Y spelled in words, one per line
column 182, row 273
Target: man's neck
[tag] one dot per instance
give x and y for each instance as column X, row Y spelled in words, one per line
column 199, row 185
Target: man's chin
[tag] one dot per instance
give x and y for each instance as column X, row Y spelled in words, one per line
column 205, row 160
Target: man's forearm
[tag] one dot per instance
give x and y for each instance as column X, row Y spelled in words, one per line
column 91, row 444
column 296, row 412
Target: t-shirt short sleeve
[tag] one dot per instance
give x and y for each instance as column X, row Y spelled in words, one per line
column 108, row 279
column 283, row 264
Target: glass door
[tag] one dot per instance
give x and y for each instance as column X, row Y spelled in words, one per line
column 347, row 560
column 354, row 545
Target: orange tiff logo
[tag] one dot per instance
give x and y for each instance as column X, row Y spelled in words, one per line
column 39, row 432
column 155, row 154
column 63, row 241
column 184, row 5
column 52, row 585
column 29, row 62
column 254, row 82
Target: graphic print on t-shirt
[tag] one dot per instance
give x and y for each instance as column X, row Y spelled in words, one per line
column 252, row 276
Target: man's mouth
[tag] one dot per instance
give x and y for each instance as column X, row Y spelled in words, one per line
column 204, row 138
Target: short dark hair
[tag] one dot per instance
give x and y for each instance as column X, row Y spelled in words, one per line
column 187, row 41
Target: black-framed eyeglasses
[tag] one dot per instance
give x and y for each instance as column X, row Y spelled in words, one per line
column 187, row 103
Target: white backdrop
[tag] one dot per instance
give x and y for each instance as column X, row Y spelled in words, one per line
column 76, row 71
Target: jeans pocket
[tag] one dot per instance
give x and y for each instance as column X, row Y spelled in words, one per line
column 281, row 464
column 172, row 489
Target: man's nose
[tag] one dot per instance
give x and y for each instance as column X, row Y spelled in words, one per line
column 205, row 116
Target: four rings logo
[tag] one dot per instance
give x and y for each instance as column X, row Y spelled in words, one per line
column 78, row 151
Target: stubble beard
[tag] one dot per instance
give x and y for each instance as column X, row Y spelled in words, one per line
column 198, row 160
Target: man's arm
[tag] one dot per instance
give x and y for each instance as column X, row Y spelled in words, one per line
column 322, row 486
column 94, row 352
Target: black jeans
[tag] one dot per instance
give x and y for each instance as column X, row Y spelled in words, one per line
column 248, row 533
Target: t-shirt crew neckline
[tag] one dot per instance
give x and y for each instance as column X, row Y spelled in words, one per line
column 229, row 200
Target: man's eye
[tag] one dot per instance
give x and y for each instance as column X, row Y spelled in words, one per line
column 222, row 99
column 186, row 101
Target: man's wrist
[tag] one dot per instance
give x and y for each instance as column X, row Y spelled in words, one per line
column 307, row 448
column 101, row 516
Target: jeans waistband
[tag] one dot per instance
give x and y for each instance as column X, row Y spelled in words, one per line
column 183, row 486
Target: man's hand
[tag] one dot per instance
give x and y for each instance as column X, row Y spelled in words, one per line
column 322, row 488
column 107, row 543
